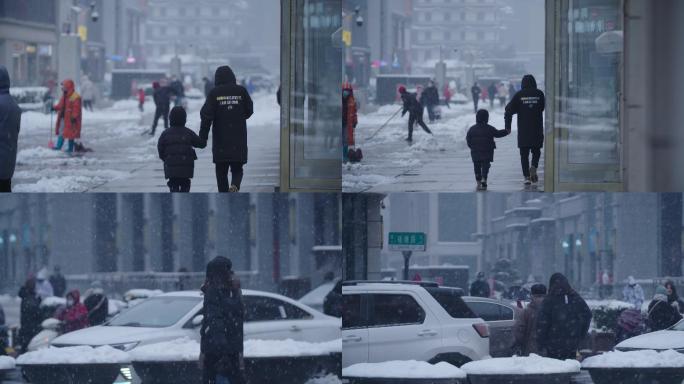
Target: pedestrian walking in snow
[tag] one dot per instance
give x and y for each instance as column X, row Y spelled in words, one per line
column 58, row 282
column 222, row 331
column 87, row 93
column 633, row 293
column 96, row 303
column 661, row 315
column 227, row 109
column 176, row 149
column 30, row 315
column 672, row 297
column 162, row 103
column 415, row 110
column 525, row 328
column 447, row 96
column 141, row 100
column 43, row 287
column 563, row 320
column 476, row 91
column 178, row 90
column 528, row 104
column 10, row 123
column 75, row 316
column 349, row 121
column 480, row 287
column 430, row 99
column 69, row 115
column 480, row 139
column 503, row 95
column 492, row 91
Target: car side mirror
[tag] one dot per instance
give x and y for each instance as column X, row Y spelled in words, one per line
column 197, row 320
column 50, row 324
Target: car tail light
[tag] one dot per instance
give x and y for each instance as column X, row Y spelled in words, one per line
column 482, row 329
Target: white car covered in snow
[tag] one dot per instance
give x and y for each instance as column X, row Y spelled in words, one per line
column 175, row 315
column 671, row 338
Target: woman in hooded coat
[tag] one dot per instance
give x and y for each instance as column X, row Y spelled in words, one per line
column 660, row 314
column 75, row 316
column 222, row 327
column 673, row 298
column 68, row 116
column 563, row 320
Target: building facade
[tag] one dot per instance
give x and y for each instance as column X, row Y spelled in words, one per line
column 124, row 32
column 29, row 40
column 585, row 235
column 269, row 237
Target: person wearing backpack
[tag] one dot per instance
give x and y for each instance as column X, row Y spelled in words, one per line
column 661, row 315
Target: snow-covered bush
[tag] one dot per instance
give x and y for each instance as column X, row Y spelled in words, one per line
column 404, row 370
column 518, row 365
column 636, row 359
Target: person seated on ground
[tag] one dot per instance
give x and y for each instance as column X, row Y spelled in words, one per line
column 661, row 315
column 480, row 140
column 176, row 149
column 75, row 316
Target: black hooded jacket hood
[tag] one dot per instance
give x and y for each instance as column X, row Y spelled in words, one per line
column 482, row 117
column 4, row 80
column 529, row 82
column 224, row 76
column 559, row 285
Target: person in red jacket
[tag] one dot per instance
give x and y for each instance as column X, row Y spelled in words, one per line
column 141, row 100
column 75, row 316
column 349, row 118
column 68, row 116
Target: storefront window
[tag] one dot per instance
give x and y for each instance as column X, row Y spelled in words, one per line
column 314, row 110
column 588, row 92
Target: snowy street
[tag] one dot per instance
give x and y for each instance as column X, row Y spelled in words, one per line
column 125, row 160
column 431, row 164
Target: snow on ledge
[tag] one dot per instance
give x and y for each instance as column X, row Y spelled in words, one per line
column 82, row 354
column 636, row 359
column 615, row 305
column 405, row 370
column 186, row 349
column 531, row 365
column 6, row 363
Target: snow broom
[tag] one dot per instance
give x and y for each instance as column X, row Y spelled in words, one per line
column 384, row 125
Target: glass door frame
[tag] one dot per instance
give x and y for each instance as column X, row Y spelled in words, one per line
column 291, row 150
column 553, row 64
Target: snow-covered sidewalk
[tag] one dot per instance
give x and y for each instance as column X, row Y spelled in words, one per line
column 431, row 164
column 125, row 160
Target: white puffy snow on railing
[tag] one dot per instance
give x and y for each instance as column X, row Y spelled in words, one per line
column 405, row 370
column 6, row 363
column 74, row 355
column 530, row 365
column 184, row 349
column 636, row 359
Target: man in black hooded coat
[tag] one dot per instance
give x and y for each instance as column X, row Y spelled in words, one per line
column 227, row 108
column 529, row 104
column 222, row 330
column 563, row 320
column 10, row 121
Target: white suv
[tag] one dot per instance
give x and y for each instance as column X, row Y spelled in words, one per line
column 389, row 321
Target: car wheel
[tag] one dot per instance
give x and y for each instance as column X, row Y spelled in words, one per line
column 455, row 359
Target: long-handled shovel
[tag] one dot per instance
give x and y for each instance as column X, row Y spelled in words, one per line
column 384, row 125
column 51, row 143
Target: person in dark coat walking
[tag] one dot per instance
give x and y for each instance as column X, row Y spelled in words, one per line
column 10, row 122
column 222, row 331
column 525, row 328
column 208, row 86
column 476, row 91
column 480, row 287
column 178, row 90
column 491, row 92
column 30, row 315
column 227, row 108
column 661, row 315
column 563, row 320
column 529, row 104
column 162, row 102
column 430, row 99
column 96, row 303
column 480, row 139
column 176, row 149
column 58, row 282
column 415, row 110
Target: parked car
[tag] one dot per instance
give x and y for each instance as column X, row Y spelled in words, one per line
column 500, row 316
column 175, row 315
column 398, row 320
column 316, row 297
column 671, row 338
